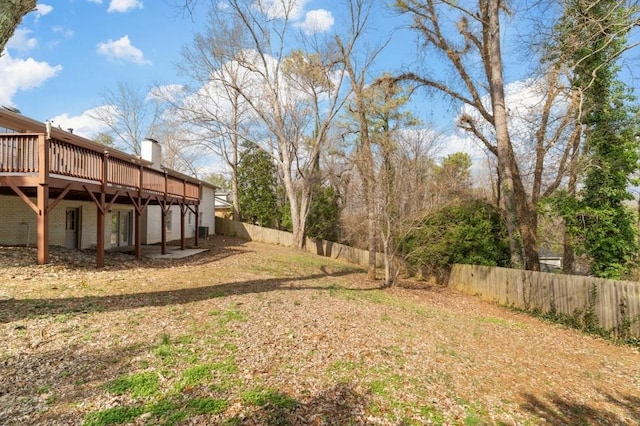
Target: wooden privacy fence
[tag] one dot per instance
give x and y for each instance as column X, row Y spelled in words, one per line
column 615, row 304
column 273, row 236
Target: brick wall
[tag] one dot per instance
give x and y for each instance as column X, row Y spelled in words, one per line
column 18, row 224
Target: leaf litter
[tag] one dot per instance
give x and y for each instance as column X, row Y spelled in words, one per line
column 253, row 334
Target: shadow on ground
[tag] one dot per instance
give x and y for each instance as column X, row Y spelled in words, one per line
column 338, row 405
column 17, row 309
column 562, row 411
column 218, row 247
column 61, row 386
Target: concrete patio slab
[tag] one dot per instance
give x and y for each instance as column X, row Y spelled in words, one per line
column 153, row 252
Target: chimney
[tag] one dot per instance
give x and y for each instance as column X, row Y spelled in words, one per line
column 152, row 151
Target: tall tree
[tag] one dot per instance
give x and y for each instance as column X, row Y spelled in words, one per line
column 363, row 152
column 591, row 37
column 11, row 14
column 214, row 114
column 386, row 101
column 257, row 177
column 475, row 35
column 294, row 96
column 479, row 34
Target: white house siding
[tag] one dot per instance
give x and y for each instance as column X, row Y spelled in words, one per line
column 151, row 222
column 19, row 226
column 152, row 218
column 208, row 209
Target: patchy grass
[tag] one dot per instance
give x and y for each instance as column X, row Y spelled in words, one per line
column 263, row 397
column 137, row 385
column 256, row 334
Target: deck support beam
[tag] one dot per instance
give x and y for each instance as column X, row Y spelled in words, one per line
column 163, row 231
column 100, row 231
column 183, row 212
column 197, row 225
column 43, row 224
column 43, row 199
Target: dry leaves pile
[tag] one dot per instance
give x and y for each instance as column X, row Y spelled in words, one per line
column 253, row 334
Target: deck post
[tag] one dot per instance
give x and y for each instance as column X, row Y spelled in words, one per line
column 196, row 241
column 43, row 224
column 101, row 211
column 137, row 238
column 138, row 223
column 43, row 200
column 182, row 236
column 100, row 231
column 163, row 232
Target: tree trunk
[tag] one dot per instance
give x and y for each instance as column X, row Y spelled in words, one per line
column 505, row 150
column 235, row 142
column 234, row 194
column 11, row 14
column 371, row 225
column 297, row 229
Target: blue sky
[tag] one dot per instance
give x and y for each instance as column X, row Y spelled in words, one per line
column 68, row 52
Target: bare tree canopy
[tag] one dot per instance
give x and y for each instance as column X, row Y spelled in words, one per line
column 131, row 115
column 256, row 89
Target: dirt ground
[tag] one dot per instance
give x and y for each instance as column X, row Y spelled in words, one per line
column 251, row 334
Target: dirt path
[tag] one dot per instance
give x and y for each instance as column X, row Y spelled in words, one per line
column 254, row 334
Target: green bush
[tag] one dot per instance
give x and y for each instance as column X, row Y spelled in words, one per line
column 468, row 232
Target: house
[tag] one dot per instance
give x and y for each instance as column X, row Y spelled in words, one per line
column 58, row 188
column 550, row 261
column 224, row 204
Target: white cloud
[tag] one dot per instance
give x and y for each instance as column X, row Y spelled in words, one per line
column 42, row 9
column 121, row 6
column 272, row 9
column 84, row 124
column 316, row 21
column 66, row 32
column 460, row 142
column 123, row 50
column 21, row 40
column 22, row 74
column 168, row 91
column 95, row 1
column 524, row 100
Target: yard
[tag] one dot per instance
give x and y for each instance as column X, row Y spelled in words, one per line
column 251, row 334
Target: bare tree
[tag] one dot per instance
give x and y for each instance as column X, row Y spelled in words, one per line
column 386, row 100
column 478, row 31
column 131, row 116
column 214, row 115
column 363, row 153
column 291, row 97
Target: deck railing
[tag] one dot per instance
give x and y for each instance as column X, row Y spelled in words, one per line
column 19, row 155
column 69, row 160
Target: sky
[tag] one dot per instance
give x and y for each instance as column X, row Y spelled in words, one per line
column 66, row 54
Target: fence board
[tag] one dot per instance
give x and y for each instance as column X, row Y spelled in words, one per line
column 546, row 291
column 274, row 236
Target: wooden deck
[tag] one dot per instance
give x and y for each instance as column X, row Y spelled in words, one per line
column 52, row 164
